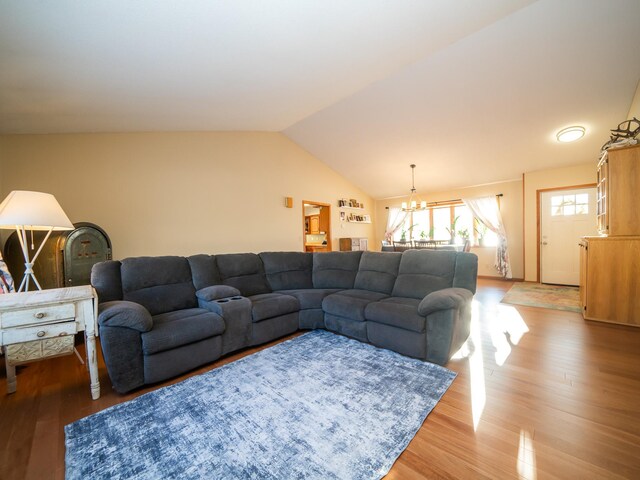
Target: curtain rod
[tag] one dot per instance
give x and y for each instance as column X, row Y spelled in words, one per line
column 445, row 202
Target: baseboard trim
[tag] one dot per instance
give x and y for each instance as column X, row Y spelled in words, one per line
column 489, row 277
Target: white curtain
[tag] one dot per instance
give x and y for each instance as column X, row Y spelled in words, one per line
column 394, row 221
column 487, row 210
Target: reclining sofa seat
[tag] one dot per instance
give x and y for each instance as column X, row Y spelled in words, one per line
column 273, row 315
column 428, row 314
column 366, row 278
column 150, row 322
column 162, row 316
column 292, row 273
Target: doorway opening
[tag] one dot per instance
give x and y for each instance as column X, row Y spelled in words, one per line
column 565, row 215
column 316, row 226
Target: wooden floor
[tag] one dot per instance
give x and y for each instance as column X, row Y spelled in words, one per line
column 540, row 394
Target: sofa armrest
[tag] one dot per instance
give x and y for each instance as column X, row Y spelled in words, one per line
column 121, row 313
column 445, row 299
column 216, row 292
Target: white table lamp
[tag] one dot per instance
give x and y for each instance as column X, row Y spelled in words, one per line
column 24, row 211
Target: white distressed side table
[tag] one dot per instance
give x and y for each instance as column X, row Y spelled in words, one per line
column 42, row 324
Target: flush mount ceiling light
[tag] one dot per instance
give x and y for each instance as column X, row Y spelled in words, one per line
column 570, row 134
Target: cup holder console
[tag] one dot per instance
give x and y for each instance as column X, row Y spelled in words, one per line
column 236, row 313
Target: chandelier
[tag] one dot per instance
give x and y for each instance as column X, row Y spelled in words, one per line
column 412, row 205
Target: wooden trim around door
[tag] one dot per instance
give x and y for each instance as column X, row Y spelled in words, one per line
column 524, row 230
column 538, row 221
column 328, row 232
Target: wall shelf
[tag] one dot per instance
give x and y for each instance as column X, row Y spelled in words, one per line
column 350, row 203
column 355, row 218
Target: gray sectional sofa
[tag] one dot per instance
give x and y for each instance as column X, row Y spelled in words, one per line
column 162, row 316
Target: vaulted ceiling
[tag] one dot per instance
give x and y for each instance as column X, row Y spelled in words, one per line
column 472, row 92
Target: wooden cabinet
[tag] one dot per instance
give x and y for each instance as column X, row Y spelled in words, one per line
column 353, row 244
column 316, row 248
column 584, row 267
column 609, row 279
column 314, row 224
column 618, row 192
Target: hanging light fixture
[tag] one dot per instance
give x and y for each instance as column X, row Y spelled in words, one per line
column 413, row 204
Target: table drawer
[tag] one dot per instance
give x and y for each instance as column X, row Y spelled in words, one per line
column 40, row 332
column 38, row 315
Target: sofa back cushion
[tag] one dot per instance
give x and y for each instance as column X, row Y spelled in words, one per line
column 288, row 270
column 424, row 271
column 335, row 269
column 204, row 271
column 378, row 271
column 105, row 278
column 243, row 271
column 466, row 275
column 160, row 284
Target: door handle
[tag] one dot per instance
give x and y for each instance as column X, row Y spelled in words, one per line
column 544, row 243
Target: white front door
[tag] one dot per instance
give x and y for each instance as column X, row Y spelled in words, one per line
column 566, row 215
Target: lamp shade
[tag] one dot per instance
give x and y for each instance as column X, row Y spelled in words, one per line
column 35, row 210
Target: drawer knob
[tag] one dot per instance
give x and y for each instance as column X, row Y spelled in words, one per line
column 40, row 315
column 40, row 333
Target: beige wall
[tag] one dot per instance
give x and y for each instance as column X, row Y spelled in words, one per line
column 510, row 208
column 181, row 193
column 634, row 110
column 545, row 179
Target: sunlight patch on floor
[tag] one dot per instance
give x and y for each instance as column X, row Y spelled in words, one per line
column 476, row 368
column 507, row 329
column 526, row 457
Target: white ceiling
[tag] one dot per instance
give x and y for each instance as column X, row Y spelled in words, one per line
column 367, row 86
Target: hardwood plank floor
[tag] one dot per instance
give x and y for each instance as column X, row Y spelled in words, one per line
column 539, row 394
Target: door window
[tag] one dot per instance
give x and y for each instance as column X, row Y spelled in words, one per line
column 563, row 205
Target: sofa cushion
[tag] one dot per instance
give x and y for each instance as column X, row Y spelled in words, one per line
column 120, row 313
column 377, row 271
column 217, row 292
column 424, row 271
column 310, row 297
column 466, row 275
column 243, row 271
column 288, row 270
column 204, row 271
column 107, row 280
column 174, row 329
column 160, row 284
column 269, row 305
column 350, row 303
column 396, row 312
column 335, row 269
column 449, row 298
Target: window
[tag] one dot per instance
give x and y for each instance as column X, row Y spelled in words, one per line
column 570, row 204
column 403, row 228
column 464, row 222
column 435, row 223
column 483, row 236
column 421, row 224
column 441, row 222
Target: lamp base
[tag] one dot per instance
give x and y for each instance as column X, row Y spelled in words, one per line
column 28, row 264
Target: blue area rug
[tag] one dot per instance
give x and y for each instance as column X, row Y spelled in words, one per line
column 317, row 406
